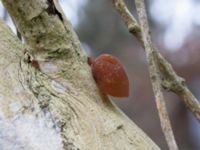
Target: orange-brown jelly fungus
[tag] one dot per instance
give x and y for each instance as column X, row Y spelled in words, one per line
column 110, row 75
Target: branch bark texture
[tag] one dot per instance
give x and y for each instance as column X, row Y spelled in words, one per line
column 172, row 82
column 155, row 75
column 59, row 101
column 158, row 67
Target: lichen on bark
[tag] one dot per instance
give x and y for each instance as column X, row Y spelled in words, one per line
column 61, row 98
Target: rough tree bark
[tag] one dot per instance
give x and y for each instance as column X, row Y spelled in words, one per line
column 55, row 105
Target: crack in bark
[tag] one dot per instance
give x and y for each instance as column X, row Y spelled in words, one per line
column 51, row 10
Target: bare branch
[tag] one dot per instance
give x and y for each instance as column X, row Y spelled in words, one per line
column 165, row 68
column 129, row 20
column 145, row 40
column 177, row 85
column 155, row 75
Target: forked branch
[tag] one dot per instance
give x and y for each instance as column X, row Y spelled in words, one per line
column 171, row 81
column 157, row 66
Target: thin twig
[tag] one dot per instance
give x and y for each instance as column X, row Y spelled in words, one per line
column 152, row 64
column 177, row 85
column 165, row 67
column 171, row 82
column 155, row 75
column 129, row 20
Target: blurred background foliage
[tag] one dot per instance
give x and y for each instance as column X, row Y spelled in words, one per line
column 175, row 31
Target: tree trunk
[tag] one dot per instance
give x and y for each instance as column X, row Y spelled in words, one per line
column 48, row 98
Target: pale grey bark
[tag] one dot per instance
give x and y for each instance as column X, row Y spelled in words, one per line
column 56, row 106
